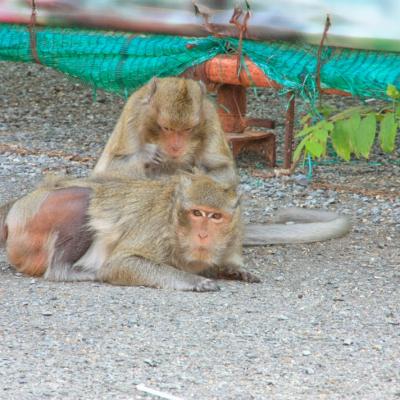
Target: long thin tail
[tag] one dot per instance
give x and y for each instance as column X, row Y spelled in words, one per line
column 308, row 226
column 4, row 209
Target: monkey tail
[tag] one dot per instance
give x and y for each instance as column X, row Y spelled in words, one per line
column 4, row 209
column 307, row 226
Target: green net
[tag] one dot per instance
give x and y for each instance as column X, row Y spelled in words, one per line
column 122, row 62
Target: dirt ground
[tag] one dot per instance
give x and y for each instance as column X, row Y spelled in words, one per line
column 323, row 324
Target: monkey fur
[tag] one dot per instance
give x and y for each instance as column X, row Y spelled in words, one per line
column 175, row 234
column 168, row 125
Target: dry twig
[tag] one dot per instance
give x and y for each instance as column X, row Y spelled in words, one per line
column 12, row 148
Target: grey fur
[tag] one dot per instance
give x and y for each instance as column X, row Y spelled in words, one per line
column 309, row 226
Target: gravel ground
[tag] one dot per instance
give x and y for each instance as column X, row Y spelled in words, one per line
column 323, row 324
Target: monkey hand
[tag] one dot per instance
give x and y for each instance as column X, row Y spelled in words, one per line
column 152, row 155
column 247, row 277
column 237, row 274
column 190, row 282
column 205, row 285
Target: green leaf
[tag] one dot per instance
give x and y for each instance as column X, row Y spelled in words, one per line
column 352, row 126
column 321, row 135
column 304, row 119
column 328, row 126
column 340, row 140
column 398, row 111
column 365, row 135
column 387, row 133
column 326, row 110
column 393, row 92
column 315, row 149
column 349, row 112
column 305, row 131
column 299, row 149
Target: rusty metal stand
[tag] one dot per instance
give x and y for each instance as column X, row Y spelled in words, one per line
column 232, row 112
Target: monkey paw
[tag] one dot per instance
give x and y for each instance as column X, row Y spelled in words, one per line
column 239, row 275
column 248, row 277
column 152, row 155
column 205, row 285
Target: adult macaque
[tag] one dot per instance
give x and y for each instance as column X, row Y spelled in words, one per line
column 126, row 232
column 166, row 126
column 138, row 232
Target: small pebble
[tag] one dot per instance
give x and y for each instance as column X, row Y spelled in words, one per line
column 309, row 371
column 47, row 313
column 282, row 318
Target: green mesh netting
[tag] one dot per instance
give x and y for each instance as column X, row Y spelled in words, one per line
column 121, row 62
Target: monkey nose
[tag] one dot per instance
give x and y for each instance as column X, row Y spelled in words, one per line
column 203, row 235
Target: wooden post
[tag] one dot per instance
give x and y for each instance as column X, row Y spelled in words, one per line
column 289, row 127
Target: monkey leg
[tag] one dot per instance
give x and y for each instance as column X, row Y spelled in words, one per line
column 46, row 232
column 136, row 271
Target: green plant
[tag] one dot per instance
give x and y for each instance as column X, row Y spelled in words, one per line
column 352, row 132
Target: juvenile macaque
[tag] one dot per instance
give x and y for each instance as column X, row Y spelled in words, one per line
column 166, row 126
column 161, row 234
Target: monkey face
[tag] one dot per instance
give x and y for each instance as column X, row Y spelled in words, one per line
column 175, row 112
column 207, row 225
column 178, row 138
column 203, row 232
column 174, row 142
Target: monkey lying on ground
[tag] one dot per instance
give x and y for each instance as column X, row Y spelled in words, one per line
column 169, row 125
column 127, row 232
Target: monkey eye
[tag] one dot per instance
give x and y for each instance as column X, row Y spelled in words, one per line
column 187, row 130
column 216, row 216
column 166, row 129
column 197, row 213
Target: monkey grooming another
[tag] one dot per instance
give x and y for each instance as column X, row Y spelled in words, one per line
column 160, row 234
column 169, row 125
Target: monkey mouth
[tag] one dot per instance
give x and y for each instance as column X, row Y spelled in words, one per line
column 176, row 156
column 201, row 249
column 201, row 253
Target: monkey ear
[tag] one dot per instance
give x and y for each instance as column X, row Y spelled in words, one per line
column 203, row 88
column 152, row 89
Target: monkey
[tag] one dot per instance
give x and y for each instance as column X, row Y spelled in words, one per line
column 166, row 126
column 169, row 125
column 182, row 233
